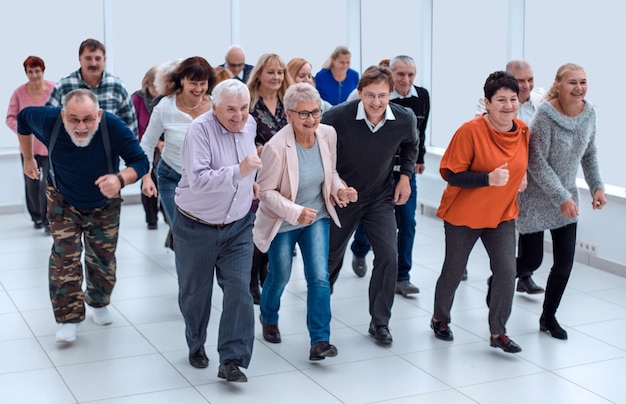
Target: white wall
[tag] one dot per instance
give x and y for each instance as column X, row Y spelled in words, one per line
column 456, row 43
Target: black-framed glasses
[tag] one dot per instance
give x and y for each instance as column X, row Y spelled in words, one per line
column 316, row 113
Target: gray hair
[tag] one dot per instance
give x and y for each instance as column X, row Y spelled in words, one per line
column 401, row 58
column 80, row 94
column 517, row 64
column 230, row 87
column 301, row 92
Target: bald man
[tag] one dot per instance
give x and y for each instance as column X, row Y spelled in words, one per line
column 235, row 61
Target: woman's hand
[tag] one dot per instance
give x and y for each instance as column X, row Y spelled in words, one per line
column 147, row 186
column 500, row 176
column 599, row 199
column 345, row 196
column 307, row 216
column 569, row 209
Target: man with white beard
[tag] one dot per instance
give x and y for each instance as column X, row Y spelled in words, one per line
column 85, row 145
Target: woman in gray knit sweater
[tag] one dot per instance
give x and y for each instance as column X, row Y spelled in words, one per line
column 562, row 136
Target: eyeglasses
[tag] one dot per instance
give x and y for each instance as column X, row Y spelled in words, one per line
column 372, row 96
column 235, row 64
column 316, row 113
column 87, row 121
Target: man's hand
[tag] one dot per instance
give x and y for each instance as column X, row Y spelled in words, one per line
column 402, row 191
column 30, row 169
column 419, row 168
column 109, row 185
column 249, row 164
column 345, row 196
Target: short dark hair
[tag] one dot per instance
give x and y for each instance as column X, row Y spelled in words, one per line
column 34, row 61
column 194, row 68
column 498, row 80
column 376, row 74
column 91, row 45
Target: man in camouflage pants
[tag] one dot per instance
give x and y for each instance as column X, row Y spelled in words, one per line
column 84, row 200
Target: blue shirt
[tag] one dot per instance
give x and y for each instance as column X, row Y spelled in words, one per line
column 333, row 91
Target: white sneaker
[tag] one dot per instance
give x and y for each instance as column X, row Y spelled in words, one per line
column 102, row 316
column 67, row 332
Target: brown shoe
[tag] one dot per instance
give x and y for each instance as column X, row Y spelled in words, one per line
column 270, row 332
column 199, row 359
column 526, row 284
column 322, row 350
column 231, row 372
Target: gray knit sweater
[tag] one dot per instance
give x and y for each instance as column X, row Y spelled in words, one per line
column 558, row 144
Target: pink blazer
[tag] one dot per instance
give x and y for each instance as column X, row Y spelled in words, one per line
column 278, row 180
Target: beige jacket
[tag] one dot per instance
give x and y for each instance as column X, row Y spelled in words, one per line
column 278, row 180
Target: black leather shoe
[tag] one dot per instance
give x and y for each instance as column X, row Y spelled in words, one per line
column 270, row 332
column 359, row 266
column 322, row 350
column 552, row 327
column 526, row 284
column 381, row 334
column 230, row 371
column 199, row 359
column 442, row 330
column 406, row 288
column 505, row 343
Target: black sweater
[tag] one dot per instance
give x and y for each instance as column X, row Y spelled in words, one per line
column 420, row 106
column 365, row 159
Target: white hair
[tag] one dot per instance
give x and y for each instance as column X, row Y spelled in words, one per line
column 161, row 78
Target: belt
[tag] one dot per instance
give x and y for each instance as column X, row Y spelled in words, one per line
column 195, row 219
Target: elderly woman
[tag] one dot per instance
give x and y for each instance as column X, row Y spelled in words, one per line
column 485, row 167
column 563, row 135
column 297, row 183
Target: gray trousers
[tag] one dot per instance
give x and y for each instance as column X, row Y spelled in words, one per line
column 500, row 245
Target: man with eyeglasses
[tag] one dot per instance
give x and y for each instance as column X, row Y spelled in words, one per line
column 85, row 145
column 109, row 89
column 416, row 98
column 235, row 61
column 370, row 131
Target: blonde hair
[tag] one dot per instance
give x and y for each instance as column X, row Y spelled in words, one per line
column 567, row 67
column 339, row 50
column 254, row 82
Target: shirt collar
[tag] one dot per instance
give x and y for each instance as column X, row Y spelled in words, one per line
column 361, row 116
column 412, row 93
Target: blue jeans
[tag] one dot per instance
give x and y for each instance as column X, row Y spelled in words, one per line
column 203, row 252
column 313, row 241
column 405, row 219
column 167, row 182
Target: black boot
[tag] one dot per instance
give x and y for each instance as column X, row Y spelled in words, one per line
column 554, row 292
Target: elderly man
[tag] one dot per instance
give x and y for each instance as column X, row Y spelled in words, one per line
column 529, row 99
column 83, row 199
column 110, row 90
column 369, row 133
column 416, row 98
column 235, row 61
column 213, row 228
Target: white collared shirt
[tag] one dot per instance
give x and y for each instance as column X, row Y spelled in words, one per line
column 360, row 115
column 412, row 93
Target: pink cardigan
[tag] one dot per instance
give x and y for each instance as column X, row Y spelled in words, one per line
column 278, row 180
column 20, row 100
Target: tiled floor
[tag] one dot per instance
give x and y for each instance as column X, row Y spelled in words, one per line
column 142, row 356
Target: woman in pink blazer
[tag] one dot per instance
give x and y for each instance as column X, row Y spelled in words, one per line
column 299, row 190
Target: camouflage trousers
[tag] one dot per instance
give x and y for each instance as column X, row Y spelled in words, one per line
column 69, row 226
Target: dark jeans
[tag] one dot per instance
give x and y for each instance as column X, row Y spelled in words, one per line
column 405, row 219
column 36, row 202
column 151, row 204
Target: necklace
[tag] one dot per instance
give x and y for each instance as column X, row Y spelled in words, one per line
column 180, row 98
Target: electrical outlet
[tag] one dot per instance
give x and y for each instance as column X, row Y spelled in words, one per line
column 587, row 246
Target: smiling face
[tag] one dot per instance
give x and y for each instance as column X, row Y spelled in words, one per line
column 304, row 75
column 403, row 77
column 341, row 64
column 232, row 111
column 573, row 87
column 195, row 88
column 375, row 98
column 525, row 81
column 271, row 78
column 34, row 74
column 503, row 107
column 81, row 118
column 305, row 127
column 92, row 65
